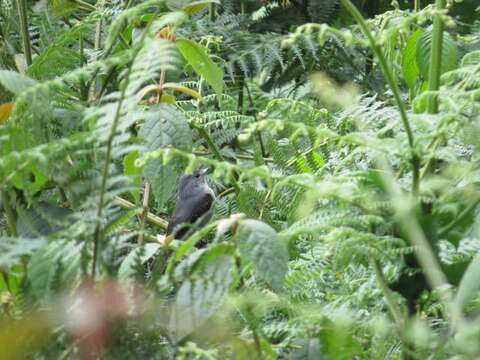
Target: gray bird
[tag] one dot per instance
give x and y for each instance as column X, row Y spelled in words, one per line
column 194, row 203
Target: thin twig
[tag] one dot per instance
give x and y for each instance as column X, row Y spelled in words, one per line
column 423, row 250
column 146, row 191
column 226, row 192
column 143, row 215
column 203, row 133
column 151, row 218
column 97, row 235
column 387, row 293
column 414, row 159
column 264, row 205
column 254, row 114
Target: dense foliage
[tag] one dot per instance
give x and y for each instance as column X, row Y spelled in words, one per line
column 342, row 136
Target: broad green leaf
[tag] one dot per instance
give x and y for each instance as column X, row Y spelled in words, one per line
column 3, row 284
column 16, row 276
column 190, row 7
column 197, row 57
column 260, row 244
column 449, row 53
column 15, row 82
column 200, row 259
column 142, row 254
column 61, row 55
column 409, row 61
column 30, row 178
column 337, row 334
column 200, row 296
column 135, row 172
column 164, row 126
column 469, row 285
column 42, row 268
column 420, row 103
column 63, row 8
column 168, row 99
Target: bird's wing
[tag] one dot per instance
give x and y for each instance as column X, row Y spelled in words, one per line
column 189, row 212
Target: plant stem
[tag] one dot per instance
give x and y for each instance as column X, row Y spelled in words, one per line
column 143, row 215
column 97, row 46
column 83, row 85
column 241, row 83
column 209, row 141
column 10, row 214
column 226, row 192
column 211, row 11
column 254, row 114
column 414, row 159
column 423, row 250
column 98, row 232
column 160, row 84
column 417, row 5
column 436, row 57
column 264, row 205
column 392, row 306
column 146, row 191
column 22, row 15
column 107, row 79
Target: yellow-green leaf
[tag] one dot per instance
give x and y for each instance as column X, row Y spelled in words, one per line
column 409, row 62
column 197, row 57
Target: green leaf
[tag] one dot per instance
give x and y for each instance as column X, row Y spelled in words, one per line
column 469, row 285
column 30, row 178
column 13, row 249
column 308, row 349
column 127, row 268
column 135, row 172
column 188, row 6
column 41, row 270
column 61, row 55
column 55, row 264
column 200, row 296
column 15, row 82
column 165, row 126
column 449, row 53
column 409, row 61
column 337, row 334
column 260, row 244
column 197, row 57
column 420, row 103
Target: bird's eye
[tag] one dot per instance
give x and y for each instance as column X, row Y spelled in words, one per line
column 197, row 175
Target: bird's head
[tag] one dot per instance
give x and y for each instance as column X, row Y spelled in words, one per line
column 191, row 184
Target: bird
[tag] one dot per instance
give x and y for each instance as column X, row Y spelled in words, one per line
column 194, row 205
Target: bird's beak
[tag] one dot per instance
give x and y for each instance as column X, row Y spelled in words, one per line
column 205, row 171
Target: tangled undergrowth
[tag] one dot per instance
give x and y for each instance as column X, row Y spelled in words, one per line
column 343, row 142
